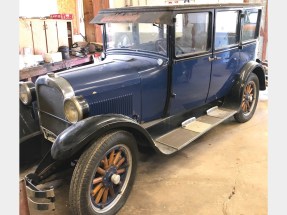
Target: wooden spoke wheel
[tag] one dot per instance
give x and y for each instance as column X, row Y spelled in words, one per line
column 248, row 98
column 250, row 93
column 104, row 175
column 111, row 177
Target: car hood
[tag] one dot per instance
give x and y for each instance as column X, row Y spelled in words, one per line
column 116, row 71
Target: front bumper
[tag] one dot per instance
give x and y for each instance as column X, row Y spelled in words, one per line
column 33, row 198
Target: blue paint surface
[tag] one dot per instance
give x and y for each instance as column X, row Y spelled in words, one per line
column 190, row 83
column 133, row 86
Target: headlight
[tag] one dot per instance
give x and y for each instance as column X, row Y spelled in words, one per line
column 27, row 92
column 75, row 108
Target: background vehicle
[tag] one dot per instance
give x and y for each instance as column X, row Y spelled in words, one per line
column 169, row 75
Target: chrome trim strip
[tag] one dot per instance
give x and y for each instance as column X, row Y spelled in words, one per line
column 249, row 42
column 224, row 50
column 54, row 81
column 191, row 57
column 57, row 82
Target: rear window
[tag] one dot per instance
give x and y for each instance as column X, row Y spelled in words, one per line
column 249, row 25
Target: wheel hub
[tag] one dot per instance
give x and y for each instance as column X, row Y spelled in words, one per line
column 248, row 97
column 107, row 179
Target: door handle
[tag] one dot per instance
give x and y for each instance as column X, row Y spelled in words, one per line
column 213, row 58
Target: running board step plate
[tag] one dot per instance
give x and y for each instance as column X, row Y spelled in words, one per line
column 193, row 128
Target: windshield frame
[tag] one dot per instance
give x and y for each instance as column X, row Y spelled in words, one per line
column 164, row 33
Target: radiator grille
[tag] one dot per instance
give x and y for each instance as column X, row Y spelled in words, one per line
column 51, row 109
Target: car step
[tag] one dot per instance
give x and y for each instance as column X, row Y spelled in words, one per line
column 192, row 129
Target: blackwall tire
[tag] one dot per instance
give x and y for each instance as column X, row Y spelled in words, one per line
column 249, row 99
column 104, row 175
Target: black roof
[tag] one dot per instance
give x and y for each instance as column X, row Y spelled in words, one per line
column 177, row 7
column 157, row 14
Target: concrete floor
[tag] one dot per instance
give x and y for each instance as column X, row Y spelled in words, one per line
column 223, row 172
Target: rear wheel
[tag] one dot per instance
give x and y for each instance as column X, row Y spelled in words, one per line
column 249, row 99
column 104, row 175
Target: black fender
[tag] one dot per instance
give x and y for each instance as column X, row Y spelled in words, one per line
column 235, row 95
column 79, row 135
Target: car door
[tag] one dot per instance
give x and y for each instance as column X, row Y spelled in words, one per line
column 226, row 52
column 191, row 68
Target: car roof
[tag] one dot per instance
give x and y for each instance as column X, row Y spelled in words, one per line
column 158, row 14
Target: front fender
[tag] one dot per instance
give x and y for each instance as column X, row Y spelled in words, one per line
column 236, row 92
column 79, row 135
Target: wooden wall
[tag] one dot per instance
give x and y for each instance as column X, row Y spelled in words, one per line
column 70, row 6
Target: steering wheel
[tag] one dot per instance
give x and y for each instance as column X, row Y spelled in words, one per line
column 160, row 45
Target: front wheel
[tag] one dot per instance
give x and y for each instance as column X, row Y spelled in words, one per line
column 104, row 175
column 249, row 99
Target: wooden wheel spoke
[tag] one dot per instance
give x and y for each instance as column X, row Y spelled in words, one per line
column 111, row 191
column 244, row 107
column 248, row 106
column 111, row 159
column 120, row 162
column 97, row 180
column 97, row 188
column 101, row 171
column 105, row 196
column 121, row 171
column 118, row 156
column 249, row 88
column 106, row 163
column 100, row 194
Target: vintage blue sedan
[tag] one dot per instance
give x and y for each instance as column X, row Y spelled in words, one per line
column 168, row 75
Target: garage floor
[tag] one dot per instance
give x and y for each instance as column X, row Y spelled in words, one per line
column 223, row 172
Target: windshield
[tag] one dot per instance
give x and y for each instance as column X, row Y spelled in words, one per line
column 137, row 36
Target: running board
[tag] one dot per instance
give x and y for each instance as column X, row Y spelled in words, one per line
column 192, row 129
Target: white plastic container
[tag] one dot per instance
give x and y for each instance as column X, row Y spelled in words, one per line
column 53, row 57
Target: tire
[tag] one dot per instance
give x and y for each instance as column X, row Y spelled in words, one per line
column 104, row 175
column 249, row 100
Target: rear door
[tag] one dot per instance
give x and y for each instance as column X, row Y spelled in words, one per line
column 226, row 53
column 191, row 68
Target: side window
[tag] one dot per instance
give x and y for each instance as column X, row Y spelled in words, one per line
column 249, row 25
column 191, row 33
column 226, row 29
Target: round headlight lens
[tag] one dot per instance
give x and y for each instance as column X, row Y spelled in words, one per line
column 75, row 109
column 27, row 92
